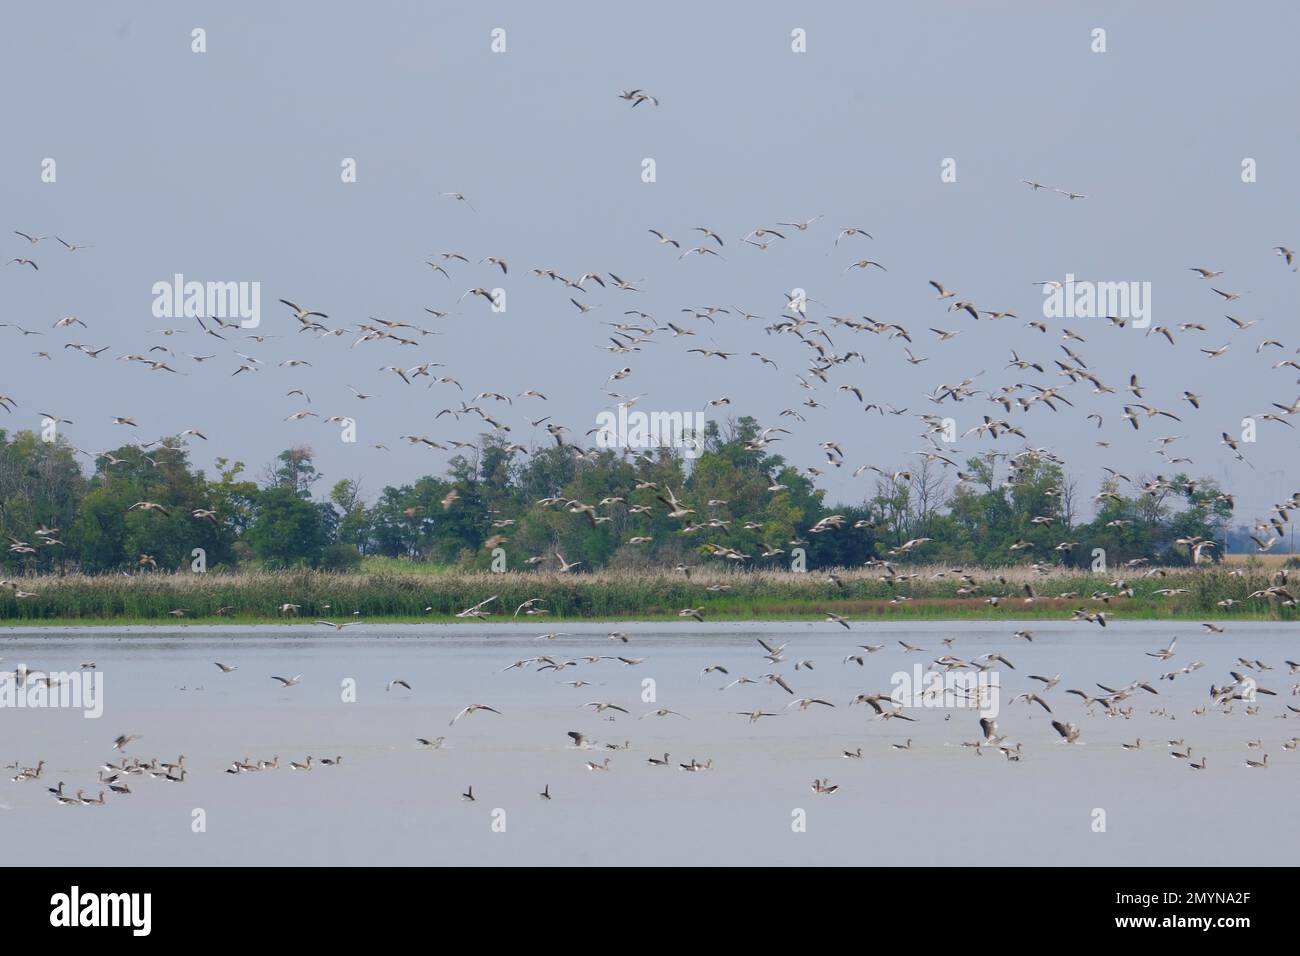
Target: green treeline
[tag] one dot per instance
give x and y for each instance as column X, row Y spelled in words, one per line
column 746, row 503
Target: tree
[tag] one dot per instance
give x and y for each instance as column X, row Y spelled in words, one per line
column 287, row 531
column 110, row 533
column 295, row 470
column 41, row 487
column 354, row 523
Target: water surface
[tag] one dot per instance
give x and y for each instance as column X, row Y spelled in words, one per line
column 391, row 802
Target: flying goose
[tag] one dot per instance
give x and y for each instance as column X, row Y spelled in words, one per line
column 565, row 566
column 473, row 708
column 601, row 706
column 833, row 618
column 338, row 626
column 460, row 197
column 1069, row 732
column 301, row 314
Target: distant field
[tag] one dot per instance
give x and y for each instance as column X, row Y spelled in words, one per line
column 719, row 593
column 374, row 564
column 1269, row 561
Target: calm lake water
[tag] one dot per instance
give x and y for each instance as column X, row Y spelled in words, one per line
column 391, row 802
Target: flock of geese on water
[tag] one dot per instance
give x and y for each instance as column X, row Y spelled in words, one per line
column 1241, row 691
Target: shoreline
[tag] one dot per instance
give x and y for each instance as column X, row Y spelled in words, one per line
column 596, row 629
column 555, row 623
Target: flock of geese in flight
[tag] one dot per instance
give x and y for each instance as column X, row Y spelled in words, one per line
column 1040, row 388
column 1052, row 384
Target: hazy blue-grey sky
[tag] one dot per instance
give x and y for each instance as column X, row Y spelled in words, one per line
column 225, row 166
